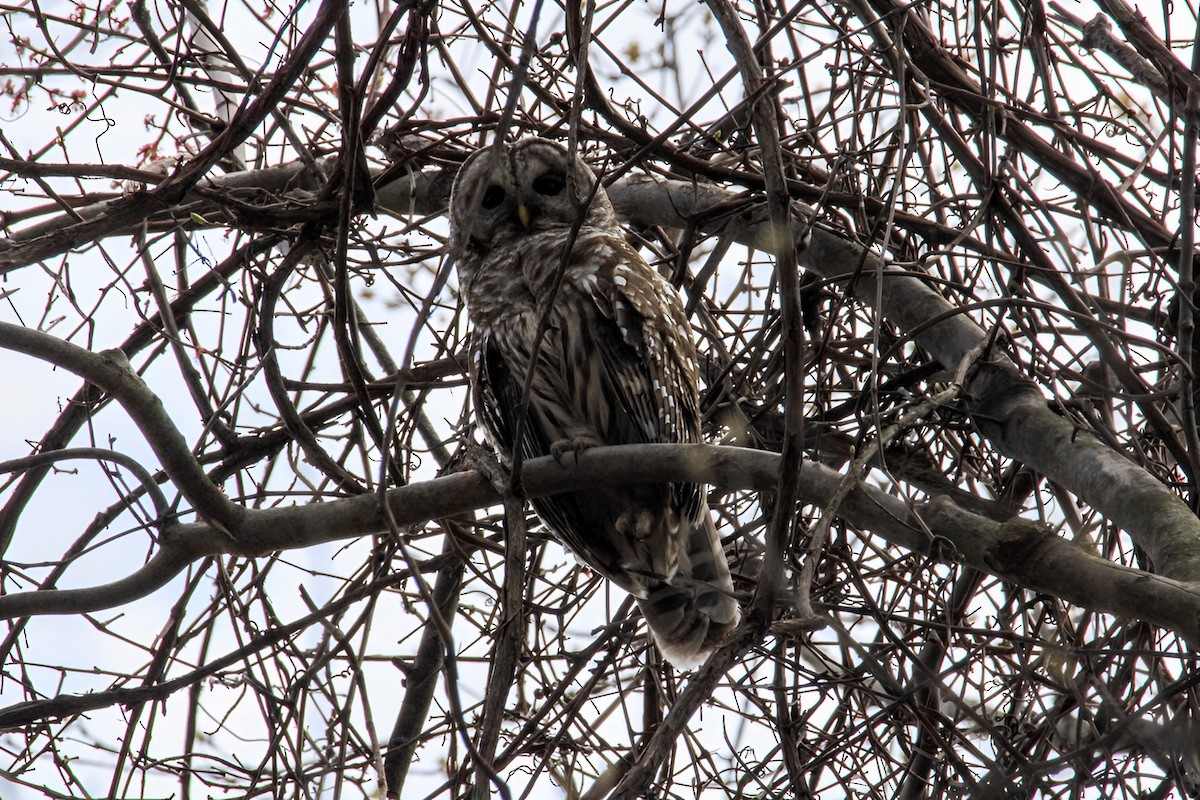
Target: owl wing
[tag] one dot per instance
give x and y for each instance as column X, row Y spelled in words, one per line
column 642, row 337
column 652, row 362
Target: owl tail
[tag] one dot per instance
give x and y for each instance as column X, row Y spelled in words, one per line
column 691, row 613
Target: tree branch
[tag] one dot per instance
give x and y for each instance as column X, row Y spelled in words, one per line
column 1022, row 552
column 111, row 371
column 122, row 214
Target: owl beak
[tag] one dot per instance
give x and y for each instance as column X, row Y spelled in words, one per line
column 523, row 215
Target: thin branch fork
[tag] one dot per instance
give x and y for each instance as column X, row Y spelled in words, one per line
column 111, row 371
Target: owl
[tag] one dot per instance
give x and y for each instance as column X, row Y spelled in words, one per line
column 534, row 236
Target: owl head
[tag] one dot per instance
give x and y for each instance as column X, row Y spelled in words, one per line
column 509, row 191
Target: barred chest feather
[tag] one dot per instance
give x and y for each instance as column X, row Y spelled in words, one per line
column 513, row 274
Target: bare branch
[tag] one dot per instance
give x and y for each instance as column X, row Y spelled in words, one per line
column 1022, row 552
column 111, row 371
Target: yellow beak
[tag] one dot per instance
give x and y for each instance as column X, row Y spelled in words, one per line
column 523, row 214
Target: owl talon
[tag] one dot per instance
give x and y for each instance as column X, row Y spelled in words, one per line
column 576, row 446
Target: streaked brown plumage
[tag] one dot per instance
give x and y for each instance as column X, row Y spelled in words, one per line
column 616, row 366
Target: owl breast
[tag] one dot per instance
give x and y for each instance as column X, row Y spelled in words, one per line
column 572, row 391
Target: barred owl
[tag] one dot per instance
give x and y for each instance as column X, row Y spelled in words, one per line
column 615, row 365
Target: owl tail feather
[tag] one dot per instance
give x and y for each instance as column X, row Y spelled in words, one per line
column 692, row 613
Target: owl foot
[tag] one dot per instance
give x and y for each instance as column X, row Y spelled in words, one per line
column 576, row 446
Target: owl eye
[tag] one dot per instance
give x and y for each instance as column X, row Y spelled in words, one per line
column 549, row 184
column 492, row 197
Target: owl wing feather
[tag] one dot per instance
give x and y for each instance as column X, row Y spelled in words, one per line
column 654, row 374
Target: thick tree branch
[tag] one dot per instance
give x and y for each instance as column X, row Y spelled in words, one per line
column 1021, row 552
column 1008, row 407
column 1174, row 75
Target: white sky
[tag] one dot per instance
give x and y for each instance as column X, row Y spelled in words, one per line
column 34, row 396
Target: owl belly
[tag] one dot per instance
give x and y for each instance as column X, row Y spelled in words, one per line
column 629, row 533
column 569, row 398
